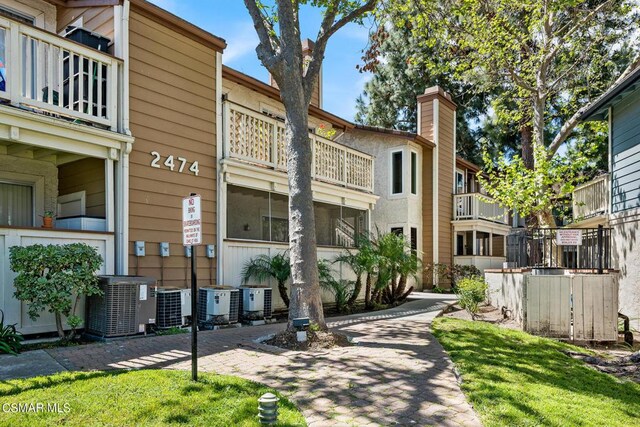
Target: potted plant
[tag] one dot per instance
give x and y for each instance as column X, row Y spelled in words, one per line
column 47, row 219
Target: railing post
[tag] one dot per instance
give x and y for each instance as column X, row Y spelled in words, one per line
column 274, row 144
column 600, row 230
column 14, row 65
column 345, row 181
column 312, row 140
column 475, row 214
column 112, row 98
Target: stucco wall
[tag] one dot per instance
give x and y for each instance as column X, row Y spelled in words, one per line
column 43, row 174
column 626, row 257
column 404, row 210
column 507, row 290
column 256, row 101
column 43, row 12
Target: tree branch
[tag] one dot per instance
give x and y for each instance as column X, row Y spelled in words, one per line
column 327, row 29
column 269, row 48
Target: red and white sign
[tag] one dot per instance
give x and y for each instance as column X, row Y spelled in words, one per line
column 191, row 221
column 569, row 237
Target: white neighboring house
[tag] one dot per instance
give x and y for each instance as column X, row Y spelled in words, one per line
column 63, row 145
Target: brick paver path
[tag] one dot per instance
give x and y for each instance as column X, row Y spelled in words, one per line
column 398, row 374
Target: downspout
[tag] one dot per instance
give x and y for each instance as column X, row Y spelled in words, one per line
column 221, row 187
column 121, row 33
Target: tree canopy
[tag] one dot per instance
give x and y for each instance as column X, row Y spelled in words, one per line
column 535, row 64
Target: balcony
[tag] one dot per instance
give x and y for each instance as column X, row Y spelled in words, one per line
column 591, row 199
column 52, row 75
column 474, row 206
column 259, row 139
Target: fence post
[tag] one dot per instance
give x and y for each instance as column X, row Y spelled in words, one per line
column 600, row 230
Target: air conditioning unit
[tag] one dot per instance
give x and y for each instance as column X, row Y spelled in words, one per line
column 127, row 306
column 256, row 303
column 169, row 308
column 214, row 306
column 185, row 306
column 234, row 305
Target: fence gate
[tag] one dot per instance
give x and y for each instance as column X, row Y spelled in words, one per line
column 577, row 307
column 548, row 306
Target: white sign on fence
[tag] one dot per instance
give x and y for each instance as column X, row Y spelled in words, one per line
column 191, row 221
column 569, row 237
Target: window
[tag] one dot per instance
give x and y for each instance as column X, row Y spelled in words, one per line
column 260, row 215
column 16, row 15
column 414, row 172
column 459, row 182
column 398, row 231
column 414, row 240
column 279, row 217
column 16, row 205
column 396, row 172
column 247, row 213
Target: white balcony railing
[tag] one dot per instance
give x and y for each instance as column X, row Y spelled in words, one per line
column 478, row 206
column 50, row 73
column 260, row 139
column 591, row 199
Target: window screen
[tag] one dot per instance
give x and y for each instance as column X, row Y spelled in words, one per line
column 16, row 205
column 396, row 172
column 414, row 173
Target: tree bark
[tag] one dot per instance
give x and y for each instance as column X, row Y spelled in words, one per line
column 305, row 288
column 526, row 140
column 356, row 291
column 282, row 288
column 367, row 292
column 59, row 325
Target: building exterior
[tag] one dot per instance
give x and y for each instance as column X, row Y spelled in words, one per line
column 480, row 225
column 68, row 119
column 64, row 144
column 614, row 199
column 111, row 137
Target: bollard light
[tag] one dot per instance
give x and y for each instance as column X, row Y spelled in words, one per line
column 268, row 409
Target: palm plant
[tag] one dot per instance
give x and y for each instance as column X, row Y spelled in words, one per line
column 264, row 267
column 395, row 264
column 362, row 261
column 10, row 338
column 342, row 290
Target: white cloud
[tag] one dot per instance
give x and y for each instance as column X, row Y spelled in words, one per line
column 241, row 40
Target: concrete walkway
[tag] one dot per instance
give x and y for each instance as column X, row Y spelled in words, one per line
column 396, row 375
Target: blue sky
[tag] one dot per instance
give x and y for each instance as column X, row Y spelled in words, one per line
column 230, row 20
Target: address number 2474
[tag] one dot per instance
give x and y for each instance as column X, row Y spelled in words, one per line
column 173, row 163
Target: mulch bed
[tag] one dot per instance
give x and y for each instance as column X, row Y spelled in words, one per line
column 316, row 340
column 626, row 367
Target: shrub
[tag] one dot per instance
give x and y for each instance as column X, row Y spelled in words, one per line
column 453, row 273
column 54, row 278
column 342, row 290
column 471, row 292
column 10, row 339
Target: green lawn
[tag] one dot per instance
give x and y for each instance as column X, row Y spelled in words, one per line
column 515, row 379
column 144, row 397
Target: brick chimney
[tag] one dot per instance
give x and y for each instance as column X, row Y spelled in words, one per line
column 437, row 123
column 316, row 96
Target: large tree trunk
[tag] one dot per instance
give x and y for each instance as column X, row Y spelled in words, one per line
column 305, row 298
column 526, row 140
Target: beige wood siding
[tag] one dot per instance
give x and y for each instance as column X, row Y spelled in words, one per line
column 426, row 120
column 98, row 19
column 427, row 211
column 85, row 175
column 445, row 183
column 172, row 107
